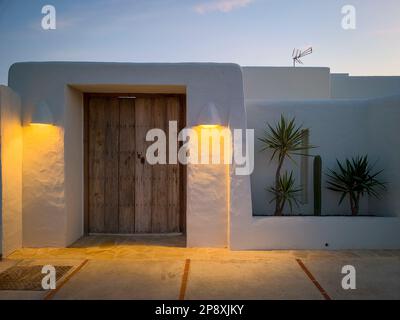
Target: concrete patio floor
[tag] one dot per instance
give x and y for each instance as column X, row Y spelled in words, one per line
column 116, row 267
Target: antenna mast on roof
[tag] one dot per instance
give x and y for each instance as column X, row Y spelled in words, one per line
column 297, row 54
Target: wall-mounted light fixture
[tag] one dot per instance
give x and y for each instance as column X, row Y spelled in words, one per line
column 42, row 114
column 209, row 116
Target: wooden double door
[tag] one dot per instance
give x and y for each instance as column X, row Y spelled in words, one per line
column 126, row 194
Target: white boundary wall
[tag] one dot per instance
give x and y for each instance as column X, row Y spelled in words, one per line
column 313, row 233
column 286, row 83
column 11, row 171
column 52, row 192
column 344, row 86
column 341, row 128
column 53, row 174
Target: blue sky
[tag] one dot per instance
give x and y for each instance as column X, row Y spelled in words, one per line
column 247, row 32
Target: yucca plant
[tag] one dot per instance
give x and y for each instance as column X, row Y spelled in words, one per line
column 355, row 178
column 286, row 192
column 285, row 140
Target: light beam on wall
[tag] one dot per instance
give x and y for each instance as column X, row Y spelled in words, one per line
column 209, row 116
column 42, row 114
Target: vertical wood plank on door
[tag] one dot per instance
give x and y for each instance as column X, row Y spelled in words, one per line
column 96, row 151
column 159, row 204
column 125, row 193
column 173, row 185
column 143, row 170
column 127, row 166
column 111, row 166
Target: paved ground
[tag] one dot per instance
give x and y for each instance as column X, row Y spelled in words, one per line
column 162, row 268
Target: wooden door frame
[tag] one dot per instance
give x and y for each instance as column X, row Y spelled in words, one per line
column 182, row 168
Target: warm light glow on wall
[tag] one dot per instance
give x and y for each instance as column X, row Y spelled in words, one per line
column 41, row 125
column 40, row 134
column 40, row 141
column 209, row 126
column 217, row 148
column 224, row 150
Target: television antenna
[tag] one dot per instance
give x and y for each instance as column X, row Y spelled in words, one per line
column 298, row 54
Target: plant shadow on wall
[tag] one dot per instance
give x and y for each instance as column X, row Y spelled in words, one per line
column 353, row 179
column 284, row 140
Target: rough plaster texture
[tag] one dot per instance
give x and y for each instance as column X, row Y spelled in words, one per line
column 202, row 177
column 50, row 220
column 43, row 192
column 286, row 83
column 11, row 171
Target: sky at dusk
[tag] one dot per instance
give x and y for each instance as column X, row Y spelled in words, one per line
column 247, row 32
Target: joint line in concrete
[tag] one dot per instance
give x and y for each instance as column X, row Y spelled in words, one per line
column 185, row 277
column 314, row 281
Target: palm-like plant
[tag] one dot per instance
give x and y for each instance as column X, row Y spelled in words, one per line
column 355, row 178
column 286, row 139
column 286, row 192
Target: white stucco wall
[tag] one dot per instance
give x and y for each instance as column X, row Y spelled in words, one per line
column 286, row 83
column 316, row 233
column 384, row 142
column 43, row 187
column 11, row 171
column 219, row 210
column 344, row 86
column 74, row 173
column 338, row 129
column 52, row 193
column 341, row 128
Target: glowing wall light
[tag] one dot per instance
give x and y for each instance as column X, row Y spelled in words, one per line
column 42, row 115
column 214, row 138
column 209, row 116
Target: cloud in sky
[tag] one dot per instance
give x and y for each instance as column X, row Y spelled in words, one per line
column 221, row 5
